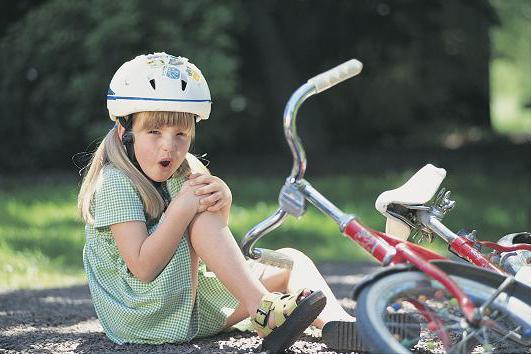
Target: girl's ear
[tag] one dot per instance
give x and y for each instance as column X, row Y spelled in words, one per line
column 120, row 131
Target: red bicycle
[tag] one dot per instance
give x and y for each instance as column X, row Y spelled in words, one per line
column 461, row 308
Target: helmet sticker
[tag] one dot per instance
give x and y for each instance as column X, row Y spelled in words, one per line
column 155, row 61
column 173, row 61
column 172, row 72
column 177, row 60
column 193, row 72
column 196, row 76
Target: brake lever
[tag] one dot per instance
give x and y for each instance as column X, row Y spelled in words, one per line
column 291, row 200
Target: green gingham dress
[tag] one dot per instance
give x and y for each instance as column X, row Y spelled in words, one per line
column 161, row 311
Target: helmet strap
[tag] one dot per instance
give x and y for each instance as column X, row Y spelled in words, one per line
column 128, row 139
column 162, row 188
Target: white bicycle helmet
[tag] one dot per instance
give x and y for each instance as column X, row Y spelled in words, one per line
column 158, row 82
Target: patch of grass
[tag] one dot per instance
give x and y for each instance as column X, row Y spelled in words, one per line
column 42, row 236
column 510, row 69
column 509, row 100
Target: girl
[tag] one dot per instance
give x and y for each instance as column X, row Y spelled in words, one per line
column 155, row 218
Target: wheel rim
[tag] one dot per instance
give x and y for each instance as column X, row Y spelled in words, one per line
column 441, row 321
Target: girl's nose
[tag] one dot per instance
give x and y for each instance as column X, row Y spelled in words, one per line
column 168, row 143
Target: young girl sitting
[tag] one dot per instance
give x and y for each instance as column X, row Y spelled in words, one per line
column 155, row 218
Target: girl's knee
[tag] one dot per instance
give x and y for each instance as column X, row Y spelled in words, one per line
column 204, row 222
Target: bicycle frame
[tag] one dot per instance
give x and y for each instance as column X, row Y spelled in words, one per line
column 385, row 248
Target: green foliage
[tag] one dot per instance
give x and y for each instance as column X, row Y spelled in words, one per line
column 57, row 61
column 511, row 37
column 41, row 235
column 426, row 70
column 511, row 68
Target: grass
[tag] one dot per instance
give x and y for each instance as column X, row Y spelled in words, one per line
column 508, row 106
column 510, row 69
column 41, row 235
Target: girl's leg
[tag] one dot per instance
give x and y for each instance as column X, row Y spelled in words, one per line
column 213, row 242
column 303, row 274
column 273, row 278
column 306, row 274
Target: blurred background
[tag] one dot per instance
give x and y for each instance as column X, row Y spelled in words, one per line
column 444, row 82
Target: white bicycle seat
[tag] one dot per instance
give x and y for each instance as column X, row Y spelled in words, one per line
column 524, row 275
column 419, row 189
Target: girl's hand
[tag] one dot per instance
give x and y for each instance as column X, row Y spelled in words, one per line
column 215, row 195
column 187, row 195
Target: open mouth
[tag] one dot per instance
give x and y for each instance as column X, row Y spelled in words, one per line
column 165, row 163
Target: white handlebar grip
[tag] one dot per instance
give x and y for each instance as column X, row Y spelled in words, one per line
column 276, row 259
column 334, row 76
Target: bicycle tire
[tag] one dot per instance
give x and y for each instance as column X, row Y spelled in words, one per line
column 403, row 289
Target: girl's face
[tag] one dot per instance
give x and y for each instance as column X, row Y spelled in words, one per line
column 161, row 150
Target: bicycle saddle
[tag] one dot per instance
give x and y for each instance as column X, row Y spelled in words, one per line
column 419, row 189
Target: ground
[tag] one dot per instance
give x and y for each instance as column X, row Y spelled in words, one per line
column 63, row 320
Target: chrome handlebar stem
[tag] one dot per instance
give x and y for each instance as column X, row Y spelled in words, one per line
column 266, row 226
column 297, row 171
column 296, row 190
column 290, row 130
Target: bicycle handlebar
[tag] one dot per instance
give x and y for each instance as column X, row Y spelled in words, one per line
column 314, row 85
column 336, row 75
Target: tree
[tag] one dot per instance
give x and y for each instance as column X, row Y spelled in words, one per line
column 58, row 60
column 426, row 70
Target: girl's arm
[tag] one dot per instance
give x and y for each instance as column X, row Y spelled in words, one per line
column 147, row 256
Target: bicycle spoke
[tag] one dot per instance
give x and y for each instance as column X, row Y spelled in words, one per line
column 488, row 338
column 487, row 342
column 506, row 283
column 443, row 327
column 509, row 334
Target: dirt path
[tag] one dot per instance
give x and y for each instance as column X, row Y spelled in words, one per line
column 63, row 321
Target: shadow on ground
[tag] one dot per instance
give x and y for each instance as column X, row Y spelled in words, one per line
column 63, row 320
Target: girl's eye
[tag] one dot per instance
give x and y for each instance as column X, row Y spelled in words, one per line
column 153, row 132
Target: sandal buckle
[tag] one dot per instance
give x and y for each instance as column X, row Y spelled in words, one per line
column 263, row 312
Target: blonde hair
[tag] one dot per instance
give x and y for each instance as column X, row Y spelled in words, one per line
column 112, row 152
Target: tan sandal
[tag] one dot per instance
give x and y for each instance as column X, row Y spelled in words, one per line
column 291, row 317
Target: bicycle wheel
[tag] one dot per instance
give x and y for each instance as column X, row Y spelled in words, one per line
column 505, row 328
